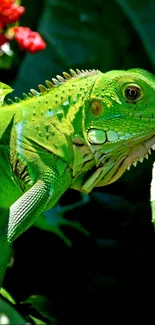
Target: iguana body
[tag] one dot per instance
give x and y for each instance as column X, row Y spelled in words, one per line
column 83, row 131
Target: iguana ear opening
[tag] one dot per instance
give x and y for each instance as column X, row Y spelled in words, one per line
column 96, row 107
column 4, row 90
column 91, row 122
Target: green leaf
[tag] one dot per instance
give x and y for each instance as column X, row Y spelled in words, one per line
column 6, row 61
column 8, row 314
column 142, row 16
column 42, row 306
column 37, row 321
column 7, row 295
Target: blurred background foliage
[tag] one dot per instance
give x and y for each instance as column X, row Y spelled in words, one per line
column 84, row 283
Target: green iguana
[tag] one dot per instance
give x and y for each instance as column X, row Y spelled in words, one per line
column 81, row 131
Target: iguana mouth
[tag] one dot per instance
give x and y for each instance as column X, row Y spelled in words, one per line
column 112, row 159
column 137, row 153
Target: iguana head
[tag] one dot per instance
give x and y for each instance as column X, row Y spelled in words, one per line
column 119, row 123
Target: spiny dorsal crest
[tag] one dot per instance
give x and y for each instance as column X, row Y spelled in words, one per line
column 59, row 80
column 54, row 83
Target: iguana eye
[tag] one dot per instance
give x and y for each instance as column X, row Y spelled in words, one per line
column 132, row 92
column 96, row 107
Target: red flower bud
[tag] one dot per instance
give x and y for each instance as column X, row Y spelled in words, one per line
column 4, row 4
column 28, row 40
column 11, row 14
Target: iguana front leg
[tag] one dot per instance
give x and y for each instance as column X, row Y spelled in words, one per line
column 42, row 195
column 53, row 219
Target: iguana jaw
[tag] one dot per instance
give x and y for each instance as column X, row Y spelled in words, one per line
column 137, row 153
column 113, row 159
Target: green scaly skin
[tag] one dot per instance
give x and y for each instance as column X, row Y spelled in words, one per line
column 81, row 132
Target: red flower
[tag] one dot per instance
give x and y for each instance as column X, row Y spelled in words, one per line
column 4, row 4
column 3, row 39
column 28, row 40
column 10, row 13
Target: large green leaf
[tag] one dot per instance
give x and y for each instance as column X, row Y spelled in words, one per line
column 141, row 14
column 83, row 34
column 9, row 315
